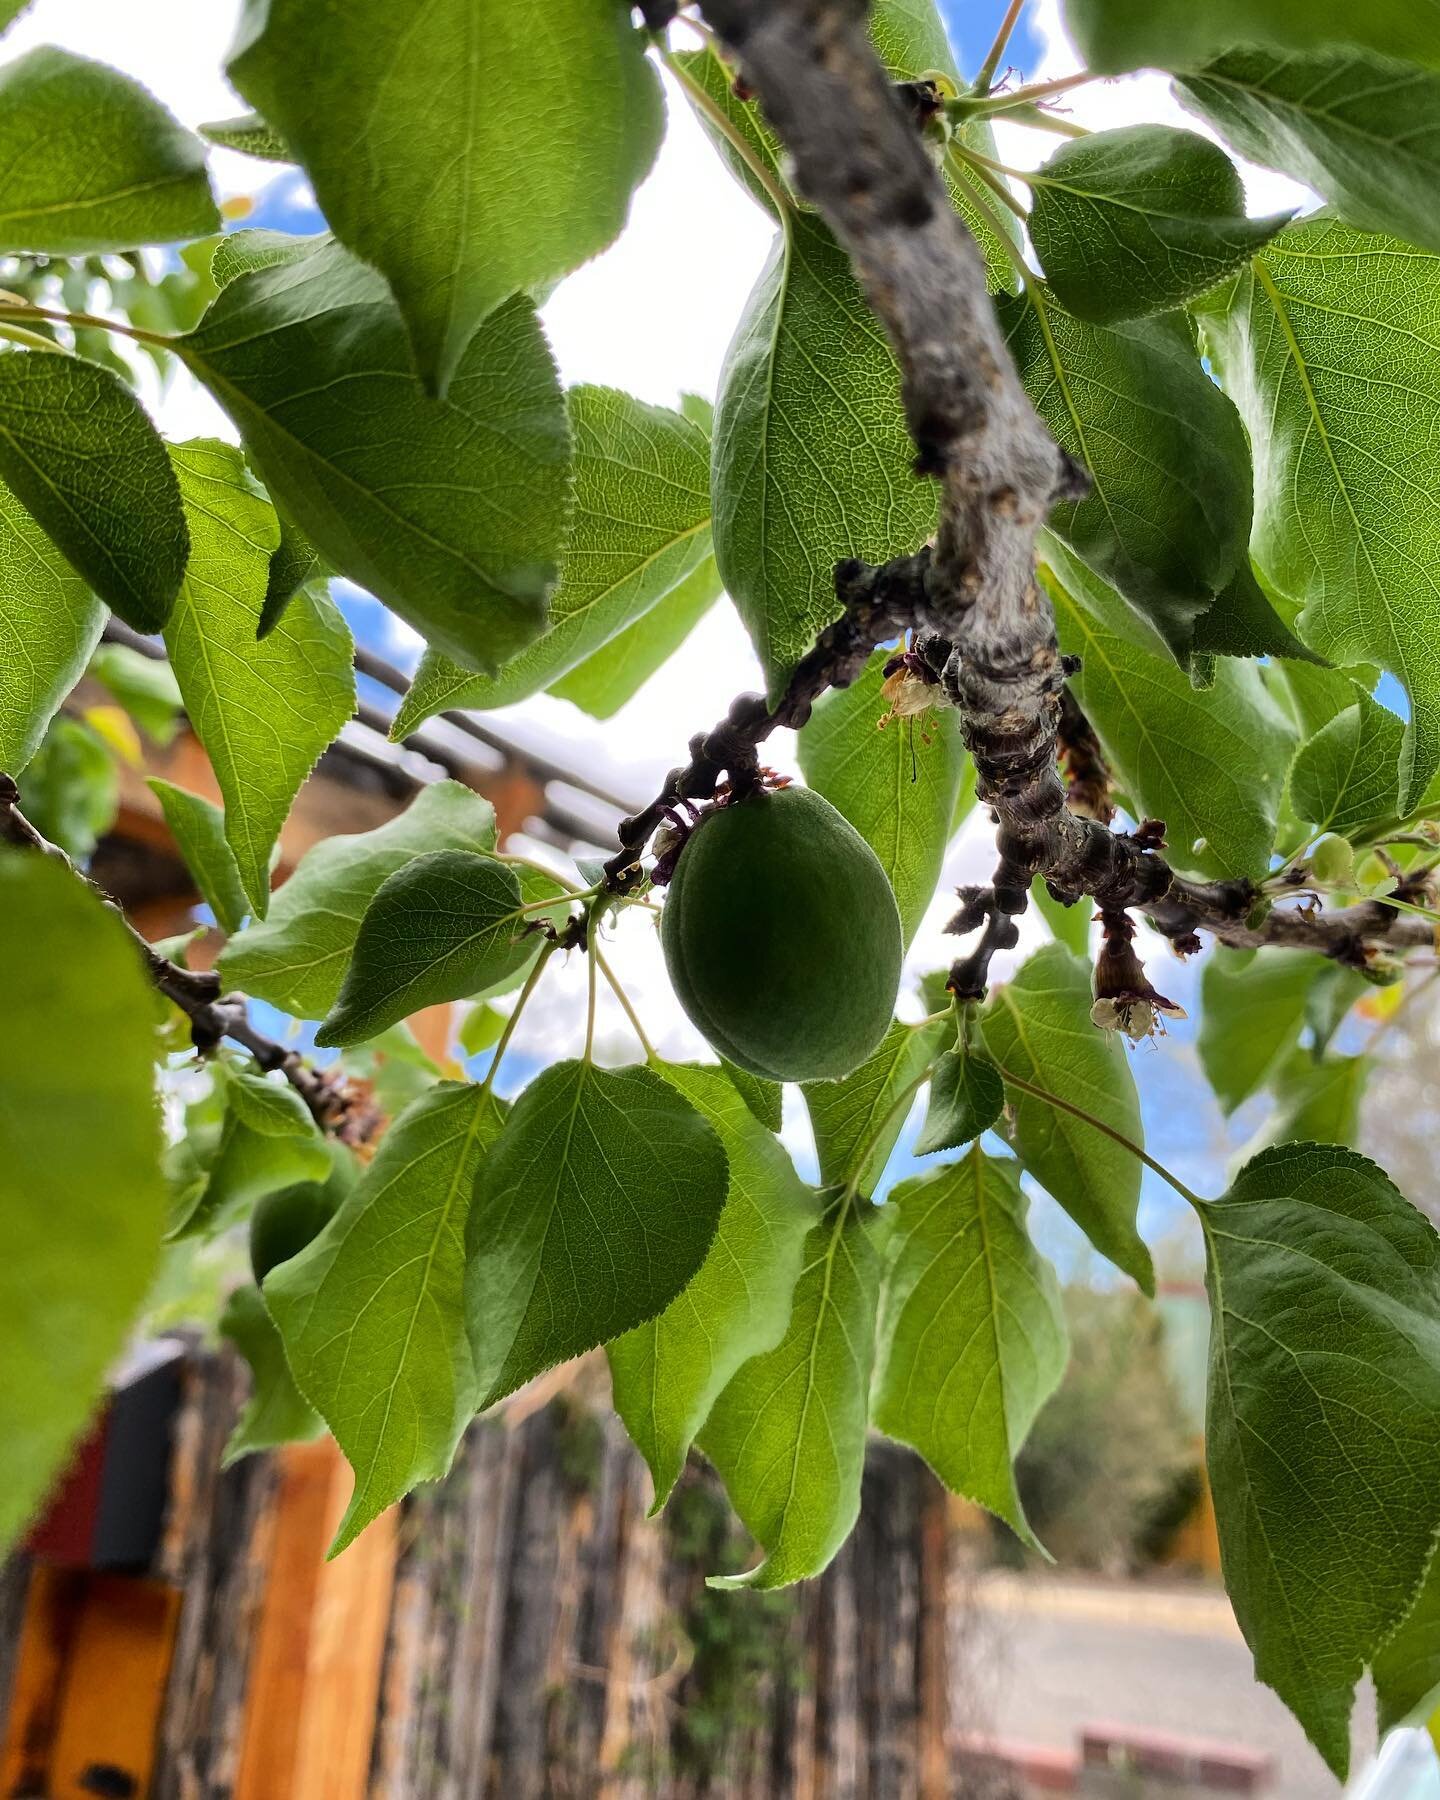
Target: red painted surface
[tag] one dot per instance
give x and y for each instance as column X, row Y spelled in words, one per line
column 1044, row 1770
column 65, row 1532
column 1203, row 1762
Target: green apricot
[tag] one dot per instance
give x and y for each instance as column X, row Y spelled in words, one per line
column 1332, row 860
column 782, row 937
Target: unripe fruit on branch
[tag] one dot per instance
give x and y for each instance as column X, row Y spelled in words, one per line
column 782, row 937
column 1332, row 861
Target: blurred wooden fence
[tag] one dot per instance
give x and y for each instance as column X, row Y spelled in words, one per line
column 519, row 1630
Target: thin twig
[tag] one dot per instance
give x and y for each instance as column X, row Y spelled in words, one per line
column 213, row 1016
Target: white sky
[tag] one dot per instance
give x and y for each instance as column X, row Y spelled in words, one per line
column 653, row 315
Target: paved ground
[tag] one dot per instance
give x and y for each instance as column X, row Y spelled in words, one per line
column 1041, row 1657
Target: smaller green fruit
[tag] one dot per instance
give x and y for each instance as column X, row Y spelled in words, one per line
column 782, row 937
column 1372, row 877
column 1333, row 861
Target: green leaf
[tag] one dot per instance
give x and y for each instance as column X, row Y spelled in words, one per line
column 264, row 711
column 284, row 1223
column 244, row 252
column 271, row 1108
column 1347, row 500
column 81, row 1198
column 489, row 151
column 812, row 460
column 295, row 564
column 276, row 1412
column 641, row 524
column 972, row 1332
column 81, row 455
column 1407, row 1670
column 617, row 671
column 967, row 1096
column 1114, row 36
column 260, row 1149
column 93, row 162
column 897, row 786
column 787, row 1435
column 144, row 685
column 1209, row 763
column 1169, row 506
column 667, row 1374
column 1243, row 622
column 1318, row 695
column 708, row 72
column 251, row 136
column 1136, row 221
column 447, row 924
column 296, row 959
column 1037, row 1026
column 1252, row 1009
column 198, row 828
column 858, row 1121
column 764, row 1098
column 1323, row 1427
column 49, row 624
column 1362, row 130
column 1332, row 993
column 1317, row 1102
column 1347, row 776
column 72, row 793
column 909, row 37
column 453, row 513
column 371, row 1311
column 594, row 1209
column 480, row 1029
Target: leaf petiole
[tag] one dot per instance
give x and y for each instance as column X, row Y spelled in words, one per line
column 1040, row 120
column 1405, row 906
column 627, row 1004
column 526, row 862
column 902, row 1101
column 531, row 983
column 782, row 202
column 592, row 950
column 32, row 340
column 12, row 308
column 976, row 165
column 1119, row 1137
column 997, row 49
column 1036, row 90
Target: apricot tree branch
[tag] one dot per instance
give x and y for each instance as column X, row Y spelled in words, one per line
column 988, row 629
column 213, row 1016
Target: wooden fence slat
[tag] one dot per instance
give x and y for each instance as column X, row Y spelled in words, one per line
column 113, row 1687
column 523, row 1629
